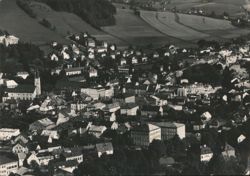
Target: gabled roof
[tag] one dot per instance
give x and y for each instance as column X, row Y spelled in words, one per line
column 168, row 124
column 146, row 128
column 103, row 147
column 22, row 89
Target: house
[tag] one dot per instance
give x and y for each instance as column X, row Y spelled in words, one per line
column 42, row 124
column 78, row 105
column 104, row 148
column 74, row 71
column 123, row 61
column 89, row 42
column 51, row 133
column 169, row 130
column 166, row 161
column 54, row 57
column 206, row 116
column 68, row 167
column 20, row 148
column 97, row 131
column 228, row 151
column 150, row 111
column 112, row 107
column 32, row 158
column 98, row 92
column 44, row 158
column 143, row 135
column 21, row 158
column 23, row 74
column 129, row 109
column 73, row 154
column 20, row 138
column 8, row 164
column 93, row 73
column 8, row 133
column 110, row 116
column 241, row 138
column 11, row 84
column 9, row 40
column 129, row 98
column 206, row 153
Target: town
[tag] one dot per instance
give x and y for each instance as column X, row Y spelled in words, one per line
column 90, row 108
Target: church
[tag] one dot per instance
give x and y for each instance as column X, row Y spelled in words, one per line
column 24, row 92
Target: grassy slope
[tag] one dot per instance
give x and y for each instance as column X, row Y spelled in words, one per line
column 67, row 22
column 192, row 27
column 17, row 22
column 233, row 7
column 134, row 30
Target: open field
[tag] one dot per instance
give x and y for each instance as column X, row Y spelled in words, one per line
column 232, row 7
column 133, row 30
column 191, row 27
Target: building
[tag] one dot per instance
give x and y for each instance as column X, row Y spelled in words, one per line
column 8, row 133
column 9, row 40
column 129, row 109
column 169, row 130
column 143, row 135
column 97, row 131
column 37, row 84
column 206, row 153
column 21, row 92
column 73, row 154
column 24, row 92
column 228, row 151
column 99, row 92
column 8, row 164
column 74, row 71
column 41, row 125
column 104, row 148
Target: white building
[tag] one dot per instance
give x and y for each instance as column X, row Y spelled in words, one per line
column 8, row 165
column 169, row 130
column 8, row 133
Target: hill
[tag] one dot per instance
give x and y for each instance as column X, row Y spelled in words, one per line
column 17, row 22
column 192, row 27
column 133, row 30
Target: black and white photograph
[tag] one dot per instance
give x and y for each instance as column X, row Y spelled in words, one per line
column 124, row 87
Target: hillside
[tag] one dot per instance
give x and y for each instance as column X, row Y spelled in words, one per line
column 191, row 27
column 17, row 22
column 135, row 31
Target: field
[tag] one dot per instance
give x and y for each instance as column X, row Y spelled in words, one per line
column 165, row 22
column 191, row 27
column 232, row 7
column 17, row 22
column 133, row 30
column 69, row 23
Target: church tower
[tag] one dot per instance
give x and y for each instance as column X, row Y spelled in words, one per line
column 37, row 83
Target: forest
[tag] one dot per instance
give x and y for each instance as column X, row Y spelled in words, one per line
column 95, row 12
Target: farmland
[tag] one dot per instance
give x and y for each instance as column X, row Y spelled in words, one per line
column 191, row 27
column 165, row 22
column 133, row 30
column 232, row 7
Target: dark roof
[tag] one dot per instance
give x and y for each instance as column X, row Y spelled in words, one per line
column 128, row 106
column 7, row 158
column 22, row 89
column 103, row 147
column 150, row 108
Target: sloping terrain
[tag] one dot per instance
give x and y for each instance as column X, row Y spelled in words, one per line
column 134, row 30
column 191, row 27
column 17, row 22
